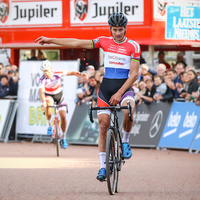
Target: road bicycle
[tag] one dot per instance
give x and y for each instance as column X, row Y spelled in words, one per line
column 56, row 136
column 114, row 152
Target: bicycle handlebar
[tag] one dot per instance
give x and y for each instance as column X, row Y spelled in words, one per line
column 112, row 108
column 55, row 106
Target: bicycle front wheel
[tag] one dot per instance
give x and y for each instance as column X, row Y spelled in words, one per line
column 111, row 166
column 57, row 138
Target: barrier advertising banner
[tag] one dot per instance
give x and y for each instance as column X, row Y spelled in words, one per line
column 4, row 107
column 196, row 141
column 30, row 118
column 183, row 23
column 181, row 125
column 149, row 121
column 81, row 130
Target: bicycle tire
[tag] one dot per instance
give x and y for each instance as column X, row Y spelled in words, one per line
column 111, row 167
column 57, row 138
column 118, row 164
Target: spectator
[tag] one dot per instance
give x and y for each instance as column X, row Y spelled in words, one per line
column 33, row 57
column 91, row 70
column 184, row 78
column 85, row 90
column 168, row 96
column 1, row 69
column 161, row 69
column 97, row 75
column 40, row 56
column 161, row 60
column 180, row 59
column 142, row 60
column 161, row 88
column 7, row 89
column 102, row 69
column 174, row 79
column 145, row 70
column 147, row 97
column 196, row 94
column 142, row 87
column 189, row 67
column 7, row 68
column 179, row 68
column 88, row 60
column 147, row 76
column 14, row 67
column 192, row 87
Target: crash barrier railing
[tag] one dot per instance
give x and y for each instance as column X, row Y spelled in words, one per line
column 171, row 125
column 8, row 109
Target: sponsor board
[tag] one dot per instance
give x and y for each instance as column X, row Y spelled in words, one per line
column 180, row 126
column 14, row 13
column 183, row 22
column 159, row 10
column 196, row 141
column 149, row 121
column 30, row 118
column 97, row 12
column 4, row 108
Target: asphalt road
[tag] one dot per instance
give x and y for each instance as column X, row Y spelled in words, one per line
column 32, row 171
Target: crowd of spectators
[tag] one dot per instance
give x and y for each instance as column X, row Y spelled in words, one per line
column 176, row 82
column 9, row 76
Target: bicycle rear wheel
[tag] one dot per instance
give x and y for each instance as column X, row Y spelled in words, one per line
column 57, row 138
column 111, row 166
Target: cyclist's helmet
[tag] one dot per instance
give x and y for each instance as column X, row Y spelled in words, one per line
column 46, row 65
column 117, row 19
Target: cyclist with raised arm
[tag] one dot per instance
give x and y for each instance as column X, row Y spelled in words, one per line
column 50, row 91
column 121, row 62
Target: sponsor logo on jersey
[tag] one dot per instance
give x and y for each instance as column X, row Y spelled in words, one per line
column 81, row 9
column 4, row 10
column 96, row 40
column 113, row 57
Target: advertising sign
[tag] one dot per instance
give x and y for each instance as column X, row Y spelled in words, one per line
column 149, row 121
column 30, row 118
column 97, row 12
column 14, row 13
column 159, row 10
column 4, row 107
column 183, row 22
column 196, row 141
column 181, row 125
column 81, row 130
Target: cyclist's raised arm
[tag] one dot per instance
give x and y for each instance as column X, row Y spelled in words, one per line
column 76, row 73
column 67, row 42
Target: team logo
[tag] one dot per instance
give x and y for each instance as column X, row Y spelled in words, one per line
column 162, row 7
column 81, row 9
column 4, row 10
column 156, row 124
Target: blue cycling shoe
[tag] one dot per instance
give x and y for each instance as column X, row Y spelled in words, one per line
column 49, row 130
column 126, row 149
column 102, row 175
column 64, row 143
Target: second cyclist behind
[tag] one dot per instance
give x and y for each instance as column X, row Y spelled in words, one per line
column 51, row 91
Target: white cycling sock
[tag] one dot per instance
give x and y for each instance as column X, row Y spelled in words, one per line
column 126, row 136
column 102, row 159
column 62, row 134
column 49, row 122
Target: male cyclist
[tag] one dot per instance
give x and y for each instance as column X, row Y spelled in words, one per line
column 121, row 62
column 51, row 91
